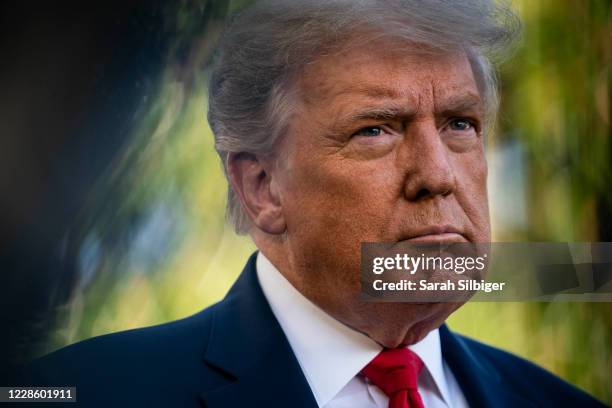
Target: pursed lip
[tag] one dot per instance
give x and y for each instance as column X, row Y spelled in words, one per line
column 436, row 234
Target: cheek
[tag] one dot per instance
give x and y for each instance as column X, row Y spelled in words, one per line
column 472, row 193
column 477, row 171
column 331, row 206
column 343, row 195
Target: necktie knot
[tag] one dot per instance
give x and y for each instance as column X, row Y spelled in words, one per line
column 395, row 372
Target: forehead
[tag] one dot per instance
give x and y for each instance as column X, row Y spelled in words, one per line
column 387, row 70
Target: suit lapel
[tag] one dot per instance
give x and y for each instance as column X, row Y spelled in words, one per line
column 479, row 381
column 248, row 345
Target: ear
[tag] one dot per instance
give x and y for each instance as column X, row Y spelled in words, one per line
column 257, row 191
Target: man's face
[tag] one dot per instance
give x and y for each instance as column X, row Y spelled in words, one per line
column 385, row 146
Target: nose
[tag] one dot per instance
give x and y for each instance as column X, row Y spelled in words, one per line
column 428, row 170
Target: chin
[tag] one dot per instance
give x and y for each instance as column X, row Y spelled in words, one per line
column 405, row 333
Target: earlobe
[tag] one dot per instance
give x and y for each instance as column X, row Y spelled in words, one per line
column 257, row 191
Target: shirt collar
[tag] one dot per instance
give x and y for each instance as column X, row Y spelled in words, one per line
column 316, row 339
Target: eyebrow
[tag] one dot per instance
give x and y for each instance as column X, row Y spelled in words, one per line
column 464, row 103
column 382, row 113
column 452, row 106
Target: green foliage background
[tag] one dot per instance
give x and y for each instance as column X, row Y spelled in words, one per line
column 154, row 245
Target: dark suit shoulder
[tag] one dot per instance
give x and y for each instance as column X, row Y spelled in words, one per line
column 529, row 380
column 156, row 361
column 154, row 342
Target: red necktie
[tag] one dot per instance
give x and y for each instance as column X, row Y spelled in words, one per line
column 395, row 372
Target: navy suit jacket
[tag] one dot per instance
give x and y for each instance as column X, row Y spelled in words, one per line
column 235, row 354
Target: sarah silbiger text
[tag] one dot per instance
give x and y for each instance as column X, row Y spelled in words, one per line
column 449, row 285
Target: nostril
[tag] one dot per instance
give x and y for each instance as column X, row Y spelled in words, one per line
column 422, row 193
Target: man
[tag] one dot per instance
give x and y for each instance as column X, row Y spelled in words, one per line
column 338, row 122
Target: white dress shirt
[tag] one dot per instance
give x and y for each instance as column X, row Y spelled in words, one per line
column 332, row 355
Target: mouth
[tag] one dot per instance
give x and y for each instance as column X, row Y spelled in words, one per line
column 436, row 235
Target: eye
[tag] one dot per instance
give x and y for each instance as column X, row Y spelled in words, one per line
column 370, row 131
column 460, row 125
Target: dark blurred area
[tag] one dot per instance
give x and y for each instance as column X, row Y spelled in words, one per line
column 73, row 76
